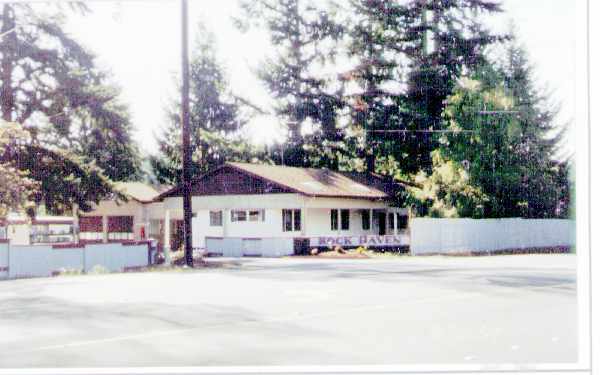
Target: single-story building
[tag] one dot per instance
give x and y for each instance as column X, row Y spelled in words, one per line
column 242, row 209
column 137, row 218
column 42, row 229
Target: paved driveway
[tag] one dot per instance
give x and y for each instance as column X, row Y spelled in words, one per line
column 409, row 310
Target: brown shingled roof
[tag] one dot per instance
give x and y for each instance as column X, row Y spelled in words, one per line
column 319, row 182
column 138, row 190
column 307, row 181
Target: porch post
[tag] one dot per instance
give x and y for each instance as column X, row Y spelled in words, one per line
column 226, row 218
column 371, row 226
column 395, row 223
column 75, row 223
column 167, row 238
column 339, row 215
column 104, row 228
column 303, row 220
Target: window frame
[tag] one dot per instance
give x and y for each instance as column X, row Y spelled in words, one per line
column 260, row 217
column 211, row 217
column 333, row 219
column 235, row 219
column 295, row 220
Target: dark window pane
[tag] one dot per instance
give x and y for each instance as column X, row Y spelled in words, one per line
column 256, row 215
column 297, row 220
column 366, row 223
column 391, row 221
column 345, row 219
column 334, row 219
column 287, row 220
column 216, row 218
column 238, row 215
column 120, row 224
column 402, row 221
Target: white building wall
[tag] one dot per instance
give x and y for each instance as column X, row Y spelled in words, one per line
column 18, row 234
column 229, row 239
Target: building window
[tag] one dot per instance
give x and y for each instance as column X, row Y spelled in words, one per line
column 366, row 220
column 291, row 220
column 402, row 221
column 345, row 219
column 120, row 228
column 238, row 216
column 391, row 221
column 297, row 220
column 256, row 215
column 334, row 220
column 216, row 218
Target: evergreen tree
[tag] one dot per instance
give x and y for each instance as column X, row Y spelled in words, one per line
column 409, row 56
column 500, row 138
column 303, row 38
column 216, row 119
column 544, row 180
column 444, row 40
column 49, row 83
column 374, row 36
column 36, row 175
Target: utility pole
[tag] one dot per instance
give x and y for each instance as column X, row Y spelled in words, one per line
column 185, row 134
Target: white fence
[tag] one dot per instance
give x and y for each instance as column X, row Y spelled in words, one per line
column 238, row 247
column 3, row 259
column 483, row 235
column 45, row 260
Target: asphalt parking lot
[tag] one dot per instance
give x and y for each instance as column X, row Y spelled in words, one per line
column 405, row 310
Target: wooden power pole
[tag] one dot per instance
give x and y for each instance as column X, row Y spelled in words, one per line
column 185, row 134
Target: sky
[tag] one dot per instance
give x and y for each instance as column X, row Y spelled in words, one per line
column 138, row 41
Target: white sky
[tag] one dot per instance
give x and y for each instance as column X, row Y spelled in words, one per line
column 139, row 42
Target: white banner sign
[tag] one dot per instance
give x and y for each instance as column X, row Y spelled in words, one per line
column 355, row 241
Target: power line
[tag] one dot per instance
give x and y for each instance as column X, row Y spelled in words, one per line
column 418, row 131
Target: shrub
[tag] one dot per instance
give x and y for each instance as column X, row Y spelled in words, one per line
column 98, row 270
column 69, row 271
column 338, row 249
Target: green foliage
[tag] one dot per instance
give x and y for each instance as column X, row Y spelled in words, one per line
column 304, row 35
column 447, row 191
column 444, row 40
column 408, row 57
column 216, row 118
column 36, row 175
column 16, row 188
column 50, row 84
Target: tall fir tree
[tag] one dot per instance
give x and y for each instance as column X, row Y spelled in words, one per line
column 303, row 35
column 444, row 40
column 409, row 56
column 50, row 84
column 544, row 179
column 216, row 119
column 376, row 102
column 505, row 137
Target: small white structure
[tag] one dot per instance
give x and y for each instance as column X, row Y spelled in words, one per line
column 136, row 218
column 242, row 209
column 21, row 230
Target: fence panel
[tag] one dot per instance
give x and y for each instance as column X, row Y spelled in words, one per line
column 29, row 261
column 44, row 260
column 3, row 260
column 480, row 235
